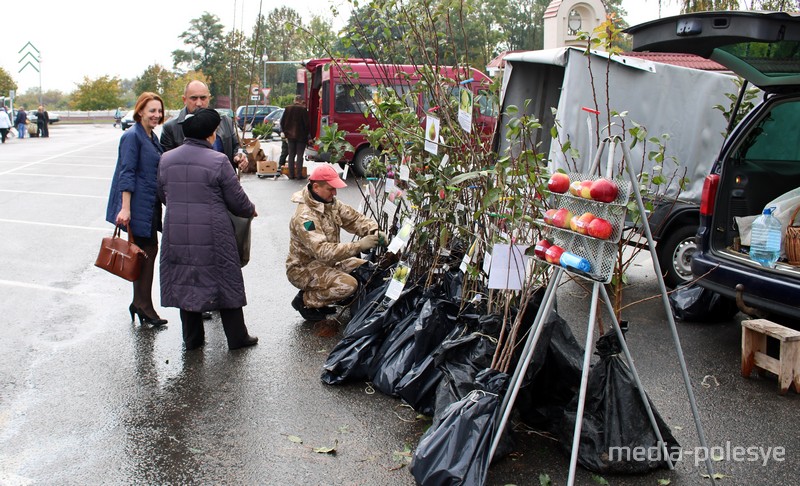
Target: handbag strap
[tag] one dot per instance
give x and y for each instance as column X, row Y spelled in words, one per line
column 117, row 230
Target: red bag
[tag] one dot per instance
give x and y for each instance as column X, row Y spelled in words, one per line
column 122, row 258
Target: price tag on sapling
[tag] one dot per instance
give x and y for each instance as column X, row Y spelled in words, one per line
column 399, row 279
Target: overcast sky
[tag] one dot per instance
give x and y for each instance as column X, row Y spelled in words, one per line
column 78, row 38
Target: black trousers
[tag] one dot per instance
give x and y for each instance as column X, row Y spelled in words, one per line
column 194, row 333
column 4, row 134
column 43, row 130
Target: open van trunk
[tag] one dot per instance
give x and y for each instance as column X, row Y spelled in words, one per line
column 760, row 160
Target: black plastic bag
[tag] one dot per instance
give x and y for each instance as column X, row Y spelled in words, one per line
column 411, row 341
column 461, row 358
column 616, row 430
column 553, row 377
column 691, row 302
column 369, row 277
column 352, row 357
column 455, row 449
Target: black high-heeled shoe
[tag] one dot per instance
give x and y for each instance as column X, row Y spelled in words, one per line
column 132, row 309
column 144, row 319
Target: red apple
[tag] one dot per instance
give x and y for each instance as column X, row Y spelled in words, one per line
column 575, row 188
column 604, row 190
column 600, row 228
column 580, row 224
column 558, row 183
column 548, row 216
column 562, row 218
column 586, row 187
column 541, row 248
column 553, row 254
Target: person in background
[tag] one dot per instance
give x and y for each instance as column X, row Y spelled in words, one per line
column 21, row 122
column 133, row 200
column 196, row 96
column 319, row 264
column 118, row 117
column 42, row 122
column 5, row 124
column 200, row 269
column 294, row 125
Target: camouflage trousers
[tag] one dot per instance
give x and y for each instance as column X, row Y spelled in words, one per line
column 323, row 285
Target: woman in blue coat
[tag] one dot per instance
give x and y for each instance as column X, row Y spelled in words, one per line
column 133, row 200
column 200, row 269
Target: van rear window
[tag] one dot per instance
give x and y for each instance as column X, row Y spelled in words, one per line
column 776, row 136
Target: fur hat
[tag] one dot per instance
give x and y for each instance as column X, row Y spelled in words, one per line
column 201, row 124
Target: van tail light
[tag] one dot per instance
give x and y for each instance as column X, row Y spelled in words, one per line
column 709, row 196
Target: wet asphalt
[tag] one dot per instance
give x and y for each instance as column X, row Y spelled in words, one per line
column 89, row 397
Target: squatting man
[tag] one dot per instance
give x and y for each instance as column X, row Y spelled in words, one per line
column 319, row 264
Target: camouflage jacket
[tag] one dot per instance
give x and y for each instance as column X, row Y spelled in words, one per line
column 314, row 232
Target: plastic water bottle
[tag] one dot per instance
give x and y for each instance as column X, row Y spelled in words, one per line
column 570, row 260
column 765, row 239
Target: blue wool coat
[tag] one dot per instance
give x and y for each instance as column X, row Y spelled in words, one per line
column 200, row 267
column 137, row 173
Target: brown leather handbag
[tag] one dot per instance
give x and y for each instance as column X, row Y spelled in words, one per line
column 122, row 258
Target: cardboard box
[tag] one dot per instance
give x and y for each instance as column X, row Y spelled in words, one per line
column 267, row 167
column 252, row 147
column 285, row 170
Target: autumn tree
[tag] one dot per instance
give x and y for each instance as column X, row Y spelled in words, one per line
column 206, row 52
column 156, row 79
column 102, row 93
column 7, row 83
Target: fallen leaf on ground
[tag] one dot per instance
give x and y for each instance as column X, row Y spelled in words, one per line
column 326, row 450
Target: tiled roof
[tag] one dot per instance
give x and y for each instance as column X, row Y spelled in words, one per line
column 679, row 59
column 552, row 9
column 499, row 62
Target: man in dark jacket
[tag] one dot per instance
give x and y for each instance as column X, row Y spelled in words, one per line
column 196, row 96
column 21, row 122
column 294, row 125
column 42, row 120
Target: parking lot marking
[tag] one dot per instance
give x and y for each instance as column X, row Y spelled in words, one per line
column 52, row 157
column 60, row 176
column 52, row 194
column 55, row 225
column 12, row 283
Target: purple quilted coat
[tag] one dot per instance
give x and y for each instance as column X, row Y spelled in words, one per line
column 199, row 263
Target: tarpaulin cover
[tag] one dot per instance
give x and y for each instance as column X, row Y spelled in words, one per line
column 691, row 302
column 615, row 420
column 353, row 355
column 455, row 449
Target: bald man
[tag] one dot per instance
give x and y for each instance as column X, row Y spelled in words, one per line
column 196, row 95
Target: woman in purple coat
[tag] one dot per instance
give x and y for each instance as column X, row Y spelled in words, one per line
column 200, row 269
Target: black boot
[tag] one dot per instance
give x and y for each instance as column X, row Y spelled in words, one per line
column 194, row 333
column 235, row 329
column 310, row 313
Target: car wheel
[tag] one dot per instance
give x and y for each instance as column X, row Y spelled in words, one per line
column 675, row 255
column 363, row 159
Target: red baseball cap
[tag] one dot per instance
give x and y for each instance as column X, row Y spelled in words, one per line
column 326, row 173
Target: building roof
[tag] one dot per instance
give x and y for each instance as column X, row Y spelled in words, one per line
column 498, row 62
column 679, row 59
column 552, row 9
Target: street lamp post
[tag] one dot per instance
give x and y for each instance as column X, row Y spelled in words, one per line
column 264, row 59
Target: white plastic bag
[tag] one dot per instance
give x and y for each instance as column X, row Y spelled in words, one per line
column 784, row 205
